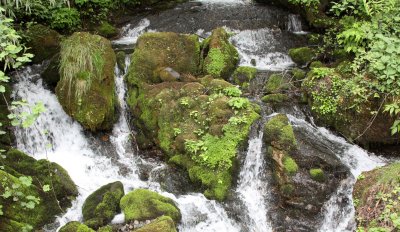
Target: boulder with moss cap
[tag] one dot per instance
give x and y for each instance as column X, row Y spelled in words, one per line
column 86, row 90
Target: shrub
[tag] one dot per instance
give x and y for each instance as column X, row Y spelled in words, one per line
column 65, row 19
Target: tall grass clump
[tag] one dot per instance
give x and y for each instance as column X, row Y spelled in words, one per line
column 81, row 61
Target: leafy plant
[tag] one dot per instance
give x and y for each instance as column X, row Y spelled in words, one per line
column 238, row 103
column 66, row 18
column 232, row 91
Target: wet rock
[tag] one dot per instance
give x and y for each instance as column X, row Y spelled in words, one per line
column 101, row 206
column 51, row 75
column 243, row 75
column 87, row 89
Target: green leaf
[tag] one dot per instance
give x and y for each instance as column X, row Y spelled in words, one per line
column 46, row 188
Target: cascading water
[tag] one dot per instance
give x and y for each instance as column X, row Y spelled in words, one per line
column 252, row 186
column 338, row 212
column 294, row 24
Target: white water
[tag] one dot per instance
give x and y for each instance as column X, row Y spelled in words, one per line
column 258, row 46
column 130, row 35
column 338, row 212
column 252, row 188
column 294, row 25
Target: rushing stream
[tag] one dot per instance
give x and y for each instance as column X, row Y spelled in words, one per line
column 93, row 161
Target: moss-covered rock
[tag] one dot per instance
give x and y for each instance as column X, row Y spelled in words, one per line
column 243, row 75
column 279, row 136
column 107, row 30
column 43, row 42
column 317, row 174
column 75, row 227
column 298, row 74
column 102, row 205
column 161, row 224
column 105, row 229
column 30, row 176
column 302, row 55
column 87, row 89
column 160, row 50
column 194, row 122
column 276, row 98
column 143, row 204
column 333, row 103
column 276, row 83
column 377, row 198
column 121, row 60
column 220, row 55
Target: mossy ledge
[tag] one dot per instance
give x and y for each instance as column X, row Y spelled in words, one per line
column 86, row 90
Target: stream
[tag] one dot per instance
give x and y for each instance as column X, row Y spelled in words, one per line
column 262, row 35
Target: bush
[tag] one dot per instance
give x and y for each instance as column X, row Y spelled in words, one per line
column 65, row 19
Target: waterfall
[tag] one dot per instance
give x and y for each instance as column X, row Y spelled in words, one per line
column 338, row 212
column 294, row 24
column 252, row 187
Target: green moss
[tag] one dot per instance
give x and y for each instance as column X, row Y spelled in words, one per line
column 222, row 56
column 90, row 100
column 279, row 132
column 317, row 174
column 298, row 74
column 302, row 55
column 276, row 83
column 163, row 49
column 120, row 56
column 161, row 224
column 275, row 98
column 316, row 64
column 287, row 190
column 107, row 30
column 243, row 75
column 75, row 227
column 102, row 205
column 105, row 229
column 290, row 165
column 142, row 204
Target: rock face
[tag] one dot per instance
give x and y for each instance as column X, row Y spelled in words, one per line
column 143, row 204
column 102, row 205
column 221, row 56
column 75, row 227
column 87, row 89
column 51, row 203
column 43, row 42
column 198, row 121
column 377, row 199
column 305, row 176
column 161, row 224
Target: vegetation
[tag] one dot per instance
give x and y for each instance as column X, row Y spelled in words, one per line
column 317, row 174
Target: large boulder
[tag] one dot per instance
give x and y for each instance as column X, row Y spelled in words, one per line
column 161, row 224
column 377, row 199
column 87, row 89
column 18, row 168
column 43, row 42
column 101, row 206
column 221, row 56
column 198, row 121
column 143, row 204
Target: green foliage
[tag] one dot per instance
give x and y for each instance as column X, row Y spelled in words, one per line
column 232, row 91
column 238, row 103
column 67, row 19
column 307, row 3
column 290, row 165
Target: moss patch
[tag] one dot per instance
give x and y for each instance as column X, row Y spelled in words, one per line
column 243, row 75
column 276, row 83
column 75, row 227
column 317, row 174
column 222, row 56
column 161, row 224
column 275, row 98
column 107, row 30
column 302, row 55
column 143, row 204
column 102, row 205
